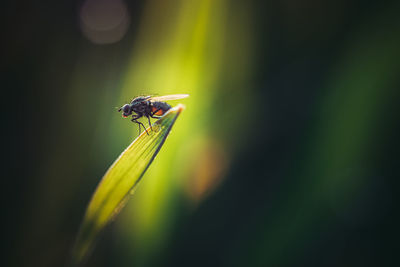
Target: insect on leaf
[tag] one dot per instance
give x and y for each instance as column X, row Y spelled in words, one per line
column 120, row 181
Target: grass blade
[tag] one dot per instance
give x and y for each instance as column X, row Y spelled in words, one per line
column 120, row 181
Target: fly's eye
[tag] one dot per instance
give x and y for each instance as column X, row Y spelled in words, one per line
column 126, row 108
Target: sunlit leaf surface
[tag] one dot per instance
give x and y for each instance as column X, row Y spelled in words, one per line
column 120, row 181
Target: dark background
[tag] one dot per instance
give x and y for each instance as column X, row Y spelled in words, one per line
column 313, row 161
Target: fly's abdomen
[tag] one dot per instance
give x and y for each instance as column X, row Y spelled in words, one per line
column 160, row 108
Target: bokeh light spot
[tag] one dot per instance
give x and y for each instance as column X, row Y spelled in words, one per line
column 207, row 170
column 104, row 21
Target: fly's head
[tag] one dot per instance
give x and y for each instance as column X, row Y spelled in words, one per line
column 126, row 110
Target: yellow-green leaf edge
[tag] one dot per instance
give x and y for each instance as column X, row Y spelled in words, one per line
column 120, row 181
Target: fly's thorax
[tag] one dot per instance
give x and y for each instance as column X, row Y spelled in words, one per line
column 140, row 107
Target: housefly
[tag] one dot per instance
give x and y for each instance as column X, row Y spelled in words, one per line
column 148, row 106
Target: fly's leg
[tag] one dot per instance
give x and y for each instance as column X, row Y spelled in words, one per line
column 144, row 127
column 154, row 117
column 134, row 119
column 149, row 122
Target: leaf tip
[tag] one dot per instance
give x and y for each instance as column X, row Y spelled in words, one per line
column 180, row 107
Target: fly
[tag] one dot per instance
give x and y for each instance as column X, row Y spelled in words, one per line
column 148, row 106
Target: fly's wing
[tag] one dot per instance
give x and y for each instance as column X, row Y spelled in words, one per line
column 168, row 97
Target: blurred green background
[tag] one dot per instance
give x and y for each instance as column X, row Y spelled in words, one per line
column 286, row 154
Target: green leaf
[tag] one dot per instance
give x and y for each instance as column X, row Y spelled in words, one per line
column 120, row 182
